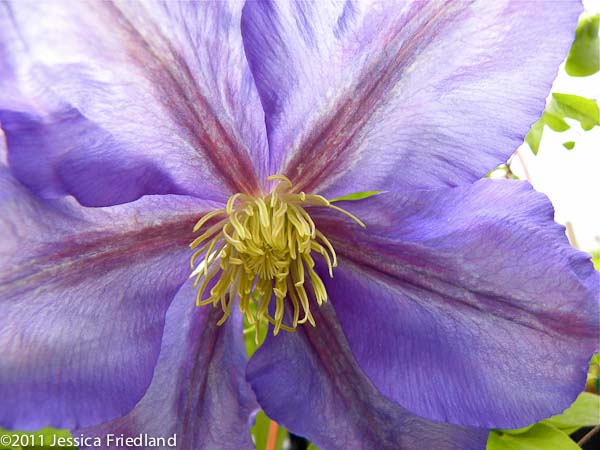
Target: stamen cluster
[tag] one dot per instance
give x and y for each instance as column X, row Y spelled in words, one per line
column 262, row 248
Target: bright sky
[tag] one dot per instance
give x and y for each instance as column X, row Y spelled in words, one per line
column 570, row 178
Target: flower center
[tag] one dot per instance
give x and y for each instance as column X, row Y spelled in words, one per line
column 260, row 249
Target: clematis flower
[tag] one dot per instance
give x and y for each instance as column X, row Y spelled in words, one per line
column 134, row 130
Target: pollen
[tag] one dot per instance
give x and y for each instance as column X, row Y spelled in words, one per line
column 261, row 251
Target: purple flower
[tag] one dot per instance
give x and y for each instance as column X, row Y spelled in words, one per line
column 460, row 306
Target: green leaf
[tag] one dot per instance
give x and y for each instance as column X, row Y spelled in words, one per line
column 519, row 430
column 312, row 446
column 552, row 433
column 355, row 196
column 560, row 107
column 260, row 431
column 555, row 121
column 584, row 56
column 540, row 436
column 534, row 136
column 585, row 412
column 596, row 261
column 584, row 110
column 251, row 340
column 44, row 436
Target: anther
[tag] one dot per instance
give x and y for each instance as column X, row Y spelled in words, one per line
column 257, row 249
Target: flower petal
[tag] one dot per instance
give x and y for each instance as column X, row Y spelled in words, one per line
column 417, row 94
column 310, row 383
column 109, row 102
column 83, row 295
column 198, row 392
column 467, row 304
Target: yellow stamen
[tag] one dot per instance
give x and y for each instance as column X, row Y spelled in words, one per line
column 259, row 249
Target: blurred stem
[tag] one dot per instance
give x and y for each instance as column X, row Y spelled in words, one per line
column 571, row 235
column 588, row 436
column 522, row 160
column 272, row 437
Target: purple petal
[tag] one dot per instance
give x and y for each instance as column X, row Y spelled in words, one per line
column 83, row 295
column 467, row 305
column 198, row 392
column 310, row 383
column 416, row 94
column 109, row 103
